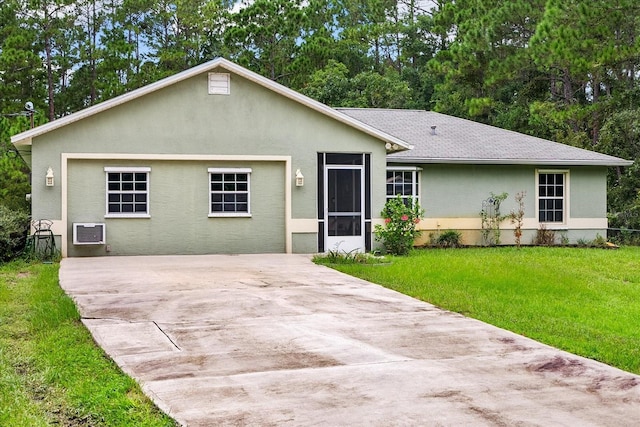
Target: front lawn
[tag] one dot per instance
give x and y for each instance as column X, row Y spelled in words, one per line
column 585, row 301
column 51, row 371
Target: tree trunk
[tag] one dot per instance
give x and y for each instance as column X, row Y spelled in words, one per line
column 567, row 87
column 92, row 48
column 595, row 134
column 47, row 50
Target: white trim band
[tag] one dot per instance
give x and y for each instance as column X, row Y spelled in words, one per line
column 127, row 169
column 229, row 170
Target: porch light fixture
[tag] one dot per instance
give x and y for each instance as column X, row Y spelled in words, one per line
column 49, row 177
column 299, row 178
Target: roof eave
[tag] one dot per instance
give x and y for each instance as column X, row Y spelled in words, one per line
column 540, row 162
column 24, row 142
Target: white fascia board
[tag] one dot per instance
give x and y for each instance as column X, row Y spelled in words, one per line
column 127, row 169
column 404, row 168
column 25, row 138
column 547, row 162
column 229, row 170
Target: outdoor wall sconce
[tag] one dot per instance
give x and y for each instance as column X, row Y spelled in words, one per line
column 49, row 177
column 299, row 178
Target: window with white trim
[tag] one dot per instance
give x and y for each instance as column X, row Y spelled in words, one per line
column 551, row 196
column 127, row 191
column 403, row 181
column 229, row 192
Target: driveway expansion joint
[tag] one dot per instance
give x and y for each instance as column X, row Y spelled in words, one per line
column 167, row 335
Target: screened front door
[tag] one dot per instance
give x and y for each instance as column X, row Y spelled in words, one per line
column 344, row 204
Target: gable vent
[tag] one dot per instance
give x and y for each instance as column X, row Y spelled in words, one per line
column 219, row 84
column 88, row 233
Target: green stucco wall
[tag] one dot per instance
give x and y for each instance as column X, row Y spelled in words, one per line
column 452, row 191
column 178, row 206
column 305, row 243
column 588, row 192
column 184, row 119
column 457, row 192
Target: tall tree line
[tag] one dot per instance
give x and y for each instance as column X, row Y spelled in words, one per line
column 566, row 70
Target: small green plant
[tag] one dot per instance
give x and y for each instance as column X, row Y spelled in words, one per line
column 598, row 242
column 491, row 219
column 517, row 217
column 351, row 257
column 401, row 217
column 449, row 239
column 337, row 256
column 583, row 242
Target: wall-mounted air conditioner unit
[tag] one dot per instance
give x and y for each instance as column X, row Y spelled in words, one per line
column 88, row 233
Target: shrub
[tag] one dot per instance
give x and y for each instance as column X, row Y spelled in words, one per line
column 624, row 236
column 449, row 239
column 517, row 217
column 545, row 237
column 13, row 232
column 401, row 216
column 491, row 219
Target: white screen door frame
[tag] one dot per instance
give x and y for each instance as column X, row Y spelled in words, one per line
column 344, row 205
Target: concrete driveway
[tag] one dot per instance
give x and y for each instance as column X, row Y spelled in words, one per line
column 275, row 340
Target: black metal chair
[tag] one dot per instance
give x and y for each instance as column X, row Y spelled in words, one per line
column 43, row 242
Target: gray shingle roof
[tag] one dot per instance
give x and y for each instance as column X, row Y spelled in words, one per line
column 463, row 141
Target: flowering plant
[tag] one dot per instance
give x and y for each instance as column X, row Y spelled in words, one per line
column 401, row 217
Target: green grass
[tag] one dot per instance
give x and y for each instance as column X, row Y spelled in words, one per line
column 51, row 371
column 585, row 301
